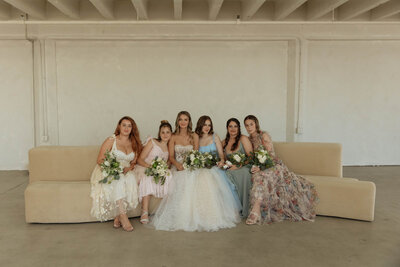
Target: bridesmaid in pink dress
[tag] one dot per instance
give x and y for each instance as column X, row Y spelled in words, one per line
column 147, row 187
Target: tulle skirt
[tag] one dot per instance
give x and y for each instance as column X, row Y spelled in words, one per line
column 147, row 186
column 199, row 200
column 111, row 200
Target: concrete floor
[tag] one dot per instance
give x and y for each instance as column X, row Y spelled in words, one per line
column 326, row 242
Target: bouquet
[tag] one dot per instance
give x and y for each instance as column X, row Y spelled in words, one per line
column 261, row 158
column 193, row 160
column 238, row 159
column 158, row 169
column 111, row 168
column 210, row 159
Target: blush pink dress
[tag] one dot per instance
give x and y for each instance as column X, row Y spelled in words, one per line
column 147, row 186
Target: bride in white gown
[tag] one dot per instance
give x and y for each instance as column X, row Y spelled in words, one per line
column 196, row 201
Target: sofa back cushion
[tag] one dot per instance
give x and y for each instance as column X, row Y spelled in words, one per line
column 323, row 159
column 62, row 163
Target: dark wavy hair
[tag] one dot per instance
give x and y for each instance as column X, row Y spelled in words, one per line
column 163, row 123
column 200, row 123
column 237, row 138
column 253, row 118
column 133, row 135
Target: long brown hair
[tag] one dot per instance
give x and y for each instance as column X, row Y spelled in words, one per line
column 253, row 118
column 134, row 135
column 189, row 127
column 164, row 123
column 200, row 123
column 228, row 136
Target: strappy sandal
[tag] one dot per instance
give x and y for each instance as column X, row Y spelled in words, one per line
column 146, row 220
column 127, row 228
column 117, row 223
column 254, row 218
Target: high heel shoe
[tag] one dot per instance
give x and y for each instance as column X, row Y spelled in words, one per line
column 127, row 227
column 117, row 223
column 144, row 220
column 254, row 218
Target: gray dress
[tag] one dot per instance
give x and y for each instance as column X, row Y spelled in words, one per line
column 241, row 178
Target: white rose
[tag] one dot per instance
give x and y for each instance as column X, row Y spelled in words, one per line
column 106, row 163
column 209, row 156
column 105, row 174
column 191, row 157
column 162, row 172
column 263, row 159
column 159, row 159
column 259, row 157
column 237, row 158
column 228, row 163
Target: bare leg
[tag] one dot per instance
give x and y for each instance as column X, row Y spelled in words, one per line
column 255, row 214
column 126, row 224
column 145, row 210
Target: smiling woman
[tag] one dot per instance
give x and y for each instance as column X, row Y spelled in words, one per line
column 114, row 188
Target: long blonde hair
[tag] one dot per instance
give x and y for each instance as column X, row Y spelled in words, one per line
column 189, row 128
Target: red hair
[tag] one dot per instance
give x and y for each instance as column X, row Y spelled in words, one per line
column 134, row 135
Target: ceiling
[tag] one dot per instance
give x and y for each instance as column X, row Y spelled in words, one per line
column 200, row 10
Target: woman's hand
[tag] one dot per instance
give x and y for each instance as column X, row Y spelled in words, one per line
column 221, row 164
column 233, row 167
column 254, row 169
column 179, row 167
column 126, row 169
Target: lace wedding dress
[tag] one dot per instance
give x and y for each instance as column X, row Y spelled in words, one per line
column 119, row 197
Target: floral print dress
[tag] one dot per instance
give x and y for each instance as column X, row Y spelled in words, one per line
column 283, row 194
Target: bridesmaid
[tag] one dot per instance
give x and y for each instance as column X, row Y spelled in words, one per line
column 240, row 176
column 211, row 143
column 114, row 200
column 277, row 193
column 147, row 187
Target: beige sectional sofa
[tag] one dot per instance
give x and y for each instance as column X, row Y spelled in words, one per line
column 59, row 186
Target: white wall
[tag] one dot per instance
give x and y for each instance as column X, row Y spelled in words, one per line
column 16, row 104
column 353, row 96
column 341, row 87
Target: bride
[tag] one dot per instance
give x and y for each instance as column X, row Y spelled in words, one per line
column 196, row 200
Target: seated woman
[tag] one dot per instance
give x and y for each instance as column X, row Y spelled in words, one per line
column 152, row 149
column 113, row 200
column 277, row 194
column 239, row 176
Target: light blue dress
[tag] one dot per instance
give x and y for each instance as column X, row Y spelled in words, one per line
column 212, row 148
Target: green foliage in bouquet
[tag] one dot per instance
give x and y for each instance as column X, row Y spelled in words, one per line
column 110, row 168
column 159, row 170
column 210, row 159
column 238, row 159
column 261, row 158
column 193, row 160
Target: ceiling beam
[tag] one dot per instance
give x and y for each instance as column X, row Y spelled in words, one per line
column 284, row 8
column 354, row 8
column 178, row 9
column 5, row 10
column 141, row 8
column 318, row 8
column 250, row 7
column 68, row 7
column 214, row 6
column 105, row 7
column 34, row 8
column 386, row 10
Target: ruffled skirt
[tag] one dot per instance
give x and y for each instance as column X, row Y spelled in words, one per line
column 111, row 200
column 283, row 195
column 199, row 200
column 147, row 186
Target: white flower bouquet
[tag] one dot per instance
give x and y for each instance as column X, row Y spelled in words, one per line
column 261, row 158
column 238, row 159
column 110, row 168
column 158, row 169
column 193, row 160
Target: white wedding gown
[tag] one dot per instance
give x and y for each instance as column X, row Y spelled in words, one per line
column 197, row 201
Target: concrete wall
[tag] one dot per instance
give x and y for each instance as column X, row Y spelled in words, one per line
column 312, row 82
